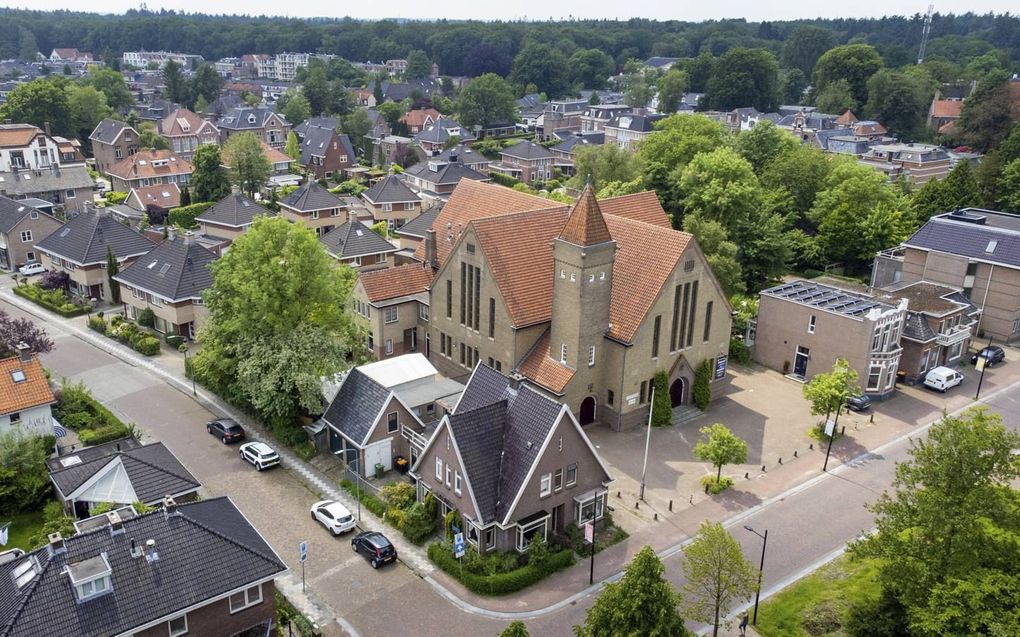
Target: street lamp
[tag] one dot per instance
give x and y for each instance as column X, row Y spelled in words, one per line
column 832, row 435
column 761, row 569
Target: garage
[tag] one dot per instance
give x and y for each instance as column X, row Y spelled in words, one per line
column 378, row 453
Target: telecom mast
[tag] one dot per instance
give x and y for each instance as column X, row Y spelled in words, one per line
column 925, row 32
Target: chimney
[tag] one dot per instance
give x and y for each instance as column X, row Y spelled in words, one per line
column 235, row 189
column 169, row 506
column 116, row 524
column 24, row 352
column 136, row 551
column 453, row 158
column 189, row 237
column 46, row 127
column 515, row 381
column 430, row 249
column 150, row 551
column 56, row 545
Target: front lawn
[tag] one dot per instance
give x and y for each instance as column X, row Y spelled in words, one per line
column 23, row 526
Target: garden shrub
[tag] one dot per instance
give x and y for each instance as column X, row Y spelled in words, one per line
column 77, row 410
column 147, row 318
column 53, row 300
column 739, row 350
column 662, row 406
column 96, row 323
column 148, row 345
column 503, row 180
column 174, row 340
column 495, row 583
column 55, row 521
column 24, row 481
column 184, row 216
column 114, row 197
column 420, row 521
column 106, row 433
column 399, row 495
column 701, row 393
column 369, row 499
column 716, row 487
column 54, row 280
column 451, row 520
column 306, row 450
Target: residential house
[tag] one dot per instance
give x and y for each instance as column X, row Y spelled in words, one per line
column 314, row 207
column 26, row 146
column 560, row 115
column 608, row 295
column 392, row 201
column 434, row 179
column 974, row 250
column 141, row 59
column 660, row 63
column 379, row 127
column 806, row 122
column 80, row 248
column 595, row 118
column 364, row 97
column 26, row 398
column 230, row 217
column 120, row 472
column 393, row 305
column 419, row 119
column 169, row 280
column 917, row 162
column 159, row 198
column 391, row 149
column 944, row 113
column 185, row 132
column 279, row 162
column 628, row 131
column 69, row 151
column 386, row 410
column 938, row 327
column 525, row 161
column 125, row 575
column 321, row 121
column 71, row 56
column 464, row 155
column 21, row 226
column 149, row 168
column 804, row 326
column 68, row 188
column 413, row 233
column 565, row 152
column 357, row 245
column 400, row 91
column 155, row 110
column 269, row 126
column 326, row 153
column 222, row 104
column 435, row 137
column 515, row 464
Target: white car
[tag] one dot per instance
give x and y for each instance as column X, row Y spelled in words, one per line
column 334, row 516
column 31, row 268
column 259, row 454
column 943, row 378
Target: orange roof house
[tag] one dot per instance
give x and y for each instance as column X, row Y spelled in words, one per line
column 25, row 396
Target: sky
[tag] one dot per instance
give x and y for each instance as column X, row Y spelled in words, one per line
column 752, row 10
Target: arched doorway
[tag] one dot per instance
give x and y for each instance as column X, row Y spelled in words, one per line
column 677, row 391
column 586, row 415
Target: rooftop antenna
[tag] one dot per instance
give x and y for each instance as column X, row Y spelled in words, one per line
column 925, row 32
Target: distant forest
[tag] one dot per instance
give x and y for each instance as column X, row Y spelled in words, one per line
column 472, row 48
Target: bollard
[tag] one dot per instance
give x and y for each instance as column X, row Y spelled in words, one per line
column 706, row 489
column 618, row 494
column 780, row 460
column 811, row 446
column 763, row 468
column 637, row 505
column 655, row 517
column 747, row 475
column 872, row 420
column 692, row 499
column 670, row 506
column 795, row 454
column 842, row 431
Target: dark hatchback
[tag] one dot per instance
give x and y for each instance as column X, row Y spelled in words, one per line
column 226, row 429
column 858, row 403
column 374, row 547
column 992, row 354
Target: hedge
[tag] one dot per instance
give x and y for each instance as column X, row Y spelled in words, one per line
column 103, row 434
column 77, row 410
column 185, row 215
column 53, row 300
column 499, row 583
column 369, row 499
column 503, row 180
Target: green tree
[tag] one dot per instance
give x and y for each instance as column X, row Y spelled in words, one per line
column 391, row 112
column 829, row 391
column 643, row 603
column 293, row 148
column 899, row 100
column 28, row 50
column 662, row 405
column 177, row 89
column 38, row 102
column 855, row 63
column 205, row 83
column 542, row 65
column 762, row 144
column 24, row 481
column 317, row 90
column 201, row 105
column 249, row 167
column 638, row 84
column 720, row 186
column 277, row 321
column 418, row 65
column 111, row 84
column 112, row 270
column 486, row 100
column 791, row 86
column 357, row 125
column 717, row 575
column 1009, row 149
column 590, row 68
column 720, row 252
column 836, row 98
column 678, row 139
column 804, row 46
column 149, row 138
column 744, row 77
column 927, row 200
column 767, row 245
column 982, row 602
column 720, row 446
column 1009, row 185
column 986, row 118
column 605, row 163
column 699, row 69
column 209, row 177
column 960, row 188
column 185, row 197
column 672, row 87
column 297, row 109
column 87, row 107
column 515, row 629
column 701, row 389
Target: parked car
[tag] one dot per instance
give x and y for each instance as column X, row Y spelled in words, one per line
column 374, row 547
column 260, row 455
column 858, row 403
column 226, row 429
column 31, row 268
column 334, row 516
column 943, row 378
column 992, row 354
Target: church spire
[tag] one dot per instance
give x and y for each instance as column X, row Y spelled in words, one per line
column 585, row 226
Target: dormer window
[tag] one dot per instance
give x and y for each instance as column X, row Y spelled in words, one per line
column 90, row 578
column 251, row 119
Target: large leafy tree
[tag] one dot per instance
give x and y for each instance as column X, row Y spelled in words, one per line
column 357, row 125
column 278, row 321
column 672, row 86
column 590, row 68
column 678, row 139
column 605, row 163
column 543, row 66
column 805, row 45
column 249, row 166
column 418, row 65
column 1009, row 187
column 638, row 84
column 515, row 629
column 717, row 575
column 205, row 83
column 801, row 172
column 87, row 107
column 829, row 391
column 855, row 63
column 643, row 603
column 486, row 100
column 719, row 447
column 791, row 86
column 15, row 331
column 720, row 185
column 744, row 77
column 899, row 101
column 111, row 84
column 987, row 115
column 38, row 102
column 175, row 82
column 148, row 137
column 762, row 144
column 24, row 482
column 297, row 108
column 209, row 179
column 720, row 252
column 836, row 97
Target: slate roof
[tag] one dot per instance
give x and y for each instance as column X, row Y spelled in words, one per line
column 960, row 233
column 390, row 189
column 208, row 545
column 95, row 452
column 177, row 269
column 234, row 211
column 164, row 196
column 309, row 197
column 12, row 212
column 439, row 132
column 527, row 150
column 393, row 283
column 355, row 239
column 85, row 237
column 448, row 173
column 16, row 395
column 356, row 406
column 108, row 130
column 916, row 328
column 237, row 118
column 569, row 144
column 419, row 225
column 316, row 141
column 154, row 471
column 316, row 122
column 26, row 183
column 638, row 123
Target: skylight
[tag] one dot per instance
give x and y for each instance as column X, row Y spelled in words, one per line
column 165, row 268
column 152, row 265
column 70, row 461
column 19, row 376
column 24, row 573
column 65, row 232
column 166, row 193
column 991, row 246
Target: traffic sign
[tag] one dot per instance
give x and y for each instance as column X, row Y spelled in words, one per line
column 458, row 545
column 303, row 548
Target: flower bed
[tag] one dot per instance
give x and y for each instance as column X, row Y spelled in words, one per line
column 53, row 300
column 606, row 535
column 77, row 410
column 139, row 339
column 499, row 573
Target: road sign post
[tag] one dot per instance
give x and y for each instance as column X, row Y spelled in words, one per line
column 458, row 545
column 589, row 536
column 303, row 550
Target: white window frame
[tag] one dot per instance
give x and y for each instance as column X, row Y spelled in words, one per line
column 423, row 311
column 597, row 504
column 521, row 530
column 591, row 356
column 395, row 315
column 558, row 475
column 178, row 632
column 449, row 472
column 387, row 207
column 811, row 324
column 26, row 236
column 456, row 482
column 389, row 346
column 563, row 352
column 545, row 485
column 314, row 215
column 249, row 600
column 439, row 469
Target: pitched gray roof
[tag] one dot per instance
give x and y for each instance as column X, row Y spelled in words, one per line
column 27, row 183
column 527, row 150
column 448, row 173
column 355, row 239
column 107, row 131
column 479, row 436
column 320, row 122
column 12, row 212
column 390, row 189
column 316, row 140
column 309, row 197
column 84, row 239
column 356, row 405
column 235, row 210
column 176, row 269
column 209, row 549
column 570, row 144
column 639, row 123
column 970, row 233
column 238, row 118
column 439, row 132
column 416, row 227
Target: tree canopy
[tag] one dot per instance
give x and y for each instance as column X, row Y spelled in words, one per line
column 209, row 179
column 487, row 100
column 717, row 575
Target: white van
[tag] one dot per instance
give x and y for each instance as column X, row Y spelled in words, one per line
column 943, row 378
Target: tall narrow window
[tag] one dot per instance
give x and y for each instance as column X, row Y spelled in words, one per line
column 563, row 353
column 591, row 355
column 463, row 292
column 676, row 318
column 492, row 317
column 449, row 299
column 811, row 325
column 656, row 331
column 477, row 296
column 683, row 317
column 708, row 322
column 692, row 316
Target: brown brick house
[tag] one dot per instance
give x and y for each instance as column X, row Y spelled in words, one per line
column 392, row 201
column 230, row 217
column 525, row 161
column 314, row 207
column 112, row 141
column 271, row 127
column 21, row 227
column 394, row 306
column 357, row 245
column 326, row 153
column 185, row 132
column 149, row 168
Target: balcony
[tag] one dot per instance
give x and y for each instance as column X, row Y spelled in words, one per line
column 953, row 335
column 417, row 440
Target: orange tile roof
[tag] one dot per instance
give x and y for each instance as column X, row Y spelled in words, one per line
column 31, row 392
column 273, row 155
column 17, row 134
column 170, row 126
column 539, row 367
column 139, row 165
column 420, row 117
column 585, row 225
column 163, row 195
column 392, row 283
column 641, row 206
column 846, row 118
column 947, row 108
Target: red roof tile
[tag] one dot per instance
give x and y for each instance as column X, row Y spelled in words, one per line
column 392, row 283
column 31, row 392
column 641, row 206
column 540, row 368
column 947, row 108
column 585, row 225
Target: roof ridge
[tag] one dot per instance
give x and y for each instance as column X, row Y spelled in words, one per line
column 230, row 539
column 9, row 625
column 163, row 469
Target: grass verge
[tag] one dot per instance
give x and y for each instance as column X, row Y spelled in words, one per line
column 23, row 526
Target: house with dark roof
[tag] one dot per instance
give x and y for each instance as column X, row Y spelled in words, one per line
column 525, row 161
column 67, row 187
column 185, row 132
column 628, row 131
column 169, row 280
column 595, row 118
column 974, row 250
column 149, row 168
column 565, row 152
column 119, row 472
column 357, row 245
column 314, row 207
column 26, row 398
column 21, row 226
column 124, row 577
column 560, row 115
column 321, row 121
column 434, row 137
column 413, row 233
column 326, row 153
column 392, row 201
column 917, row 162
column 514, row 463
column 270, row 126
column 804, row 326
column 434, row 179
column 112, row 141
column 80, row 249
column 231, row 216
column 393, row 305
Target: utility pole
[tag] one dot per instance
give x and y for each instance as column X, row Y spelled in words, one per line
column 761, row 570
column 832, row 434
column 648, row 438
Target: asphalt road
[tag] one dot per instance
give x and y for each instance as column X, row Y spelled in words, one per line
column 806, row 525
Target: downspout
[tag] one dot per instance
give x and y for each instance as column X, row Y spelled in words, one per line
column 988, row 285
column 619, row 412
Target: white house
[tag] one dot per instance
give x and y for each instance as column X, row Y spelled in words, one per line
column 25, row 395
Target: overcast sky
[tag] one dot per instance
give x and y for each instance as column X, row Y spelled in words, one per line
column 752, row 10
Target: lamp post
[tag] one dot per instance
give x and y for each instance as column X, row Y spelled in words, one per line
column 832, row 435
column 761, row 570
column 982, row 364
column 648, row 438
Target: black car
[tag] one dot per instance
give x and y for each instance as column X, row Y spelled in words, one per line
column 375, row 547
column 226, row 429
column 858, row 403
column 992, row 354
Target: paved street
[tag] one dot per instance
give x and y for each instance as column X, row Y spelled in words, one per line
column 806, row 525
